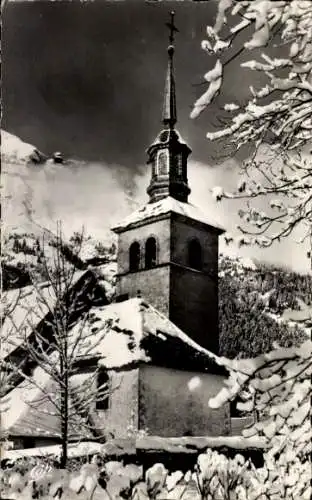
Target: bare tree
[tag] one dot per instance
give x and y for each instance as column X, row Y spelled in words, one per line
column 8, row 370
column 58, row 340
column 275, row 122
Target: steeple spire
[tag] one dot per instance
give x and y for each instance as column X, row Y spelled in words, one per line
column 169, row 117
column 168, row 154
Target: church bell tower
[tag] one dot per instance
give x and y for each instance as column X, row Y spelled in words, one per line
column 168, row 249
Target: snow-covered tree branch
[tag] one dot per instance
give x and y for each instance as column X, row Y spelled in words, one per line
column 277, row 387
column 274, row 39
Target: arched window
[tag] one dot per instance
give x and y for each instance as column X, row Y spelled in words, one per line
column 163, row 163
column 102, row 398
column 134, row 256
column 150, row 253
column 195, row 255
column 154, row 168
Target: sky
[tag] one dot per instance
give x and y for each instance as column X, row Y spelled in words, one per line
column 87, row 79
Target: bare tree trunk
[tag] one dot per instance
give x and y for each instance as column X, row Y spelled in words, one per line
column 64, row 430
column 63, row 309
column 64, row 415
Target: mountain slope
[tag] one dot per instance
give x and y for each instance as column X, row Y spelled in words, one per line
column 14, row 150
column 253, row 301
column 26, row 256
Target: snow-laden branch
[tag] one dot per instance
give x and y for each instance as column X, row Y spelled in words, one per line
column 278, row 113
column 277, row 387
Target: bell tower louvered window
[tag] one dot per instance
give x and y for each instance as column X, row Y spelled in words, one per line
column 150, row 253
column 134, row 256
column 195, row 255
column 163, row 163
column 179, row 166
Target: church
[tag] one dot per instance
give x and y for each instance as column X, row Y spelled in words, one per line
column 160, row 355
column 168, row 249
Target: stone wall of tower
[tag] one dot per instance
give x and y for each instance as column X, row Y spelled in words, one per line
column 159, row 229
column 188, row 297
column 194, row 306
column 193, row 293
column 182, row 232
column 154, row 284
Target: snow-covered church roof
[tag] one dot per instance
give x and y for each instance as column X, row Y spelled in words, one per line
column 137, row 331
column 132, row 332
column 165, row 206
column 122, row 333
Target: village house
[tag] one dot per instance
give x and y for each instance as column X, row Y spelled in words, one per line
column 158, row 356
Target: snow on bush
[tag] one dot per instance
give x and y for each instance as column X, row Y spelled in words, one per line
column 218, row 477
column 215, row 477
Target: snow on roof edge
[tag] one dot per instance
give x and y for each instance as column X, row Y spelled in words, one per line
column 189, row 443
column 163, row 207
column 180, row 334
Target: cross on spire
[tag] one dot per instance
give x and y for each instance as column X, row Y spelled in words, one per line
column 168, row 154
column 171, row 27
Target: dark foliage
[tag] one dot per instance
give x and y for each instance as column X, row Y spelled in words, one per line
column 246, row 299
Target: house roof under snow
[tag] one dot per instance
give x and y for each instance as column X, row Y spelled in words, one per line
column 123, row 333
column 29, row 410
column 25, row 308
column 165, row 207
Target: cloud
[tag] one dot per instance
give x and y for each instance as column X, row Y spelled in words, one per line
column 79, row 194
column 97, row 195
